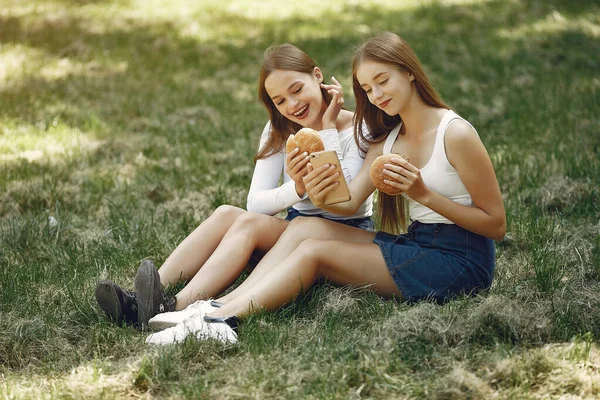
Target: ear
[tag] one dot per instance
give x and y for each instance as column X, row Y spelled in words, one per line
column 411, row 77
column 318, row 75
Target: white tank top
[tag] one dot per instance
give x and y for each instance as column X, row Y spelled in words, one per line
column 437, row 174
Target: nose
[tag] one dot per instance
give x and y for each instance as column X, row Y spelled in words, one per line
column 376, row 93
column 292, row 103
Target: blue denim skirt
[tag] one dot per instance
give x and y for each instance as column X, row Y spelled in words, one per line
column 362, row 223
column 438, row 261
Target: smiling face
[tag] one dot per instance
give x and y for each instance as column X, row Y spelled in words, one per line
column 297, row 96
column 387, row 87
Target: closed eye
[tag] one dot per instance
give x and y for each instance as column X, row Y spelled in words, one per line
column 280, row 102
column 383, row 82
column 298, row 90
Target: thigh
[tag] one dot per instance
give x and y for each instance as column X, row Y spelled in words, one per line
column 264, row 230
column 356, row 264
column 324, row 229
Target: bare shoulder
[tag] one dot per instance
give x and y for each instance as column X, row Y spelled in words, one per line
column 460, row 130
column 462, row 142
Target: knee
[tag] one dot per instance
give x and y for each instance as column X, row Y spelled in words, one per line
column 304, row 226
column 247, row 222
column 227, row 212
column 309, row 250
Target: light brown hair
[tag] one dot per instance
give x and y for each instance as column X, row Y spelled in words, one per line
column 285, row 57
column 388, row 48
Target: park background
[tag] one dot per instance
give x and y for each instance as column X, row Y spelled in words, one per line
column 124, row 123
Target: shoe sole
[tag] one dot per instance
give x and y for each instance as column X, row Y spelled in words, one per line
column 160, row 326
column 108, row 300
column 167, row 320
column 144, row 286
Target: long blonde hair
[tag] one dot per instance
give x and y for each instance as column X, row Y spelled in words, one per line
column 388, row 48
column 285, row 57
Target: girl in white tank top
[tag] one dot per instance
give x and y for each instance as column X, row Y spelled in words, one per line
column 438, row 174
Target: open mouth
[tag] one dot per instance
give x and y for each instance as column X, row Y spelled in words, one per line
column 301, row 113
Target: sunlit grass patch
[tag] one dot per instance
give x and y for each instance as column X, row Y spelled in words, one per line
column 546, row 372
column 554, row 23
column 89, row 381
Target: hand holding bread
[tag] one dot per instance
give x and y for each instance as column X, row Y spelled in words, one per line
column 377, row 175
column 307, row 141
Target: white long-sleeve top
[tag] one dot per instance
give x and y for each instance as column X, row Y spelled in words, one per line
column 266, row 196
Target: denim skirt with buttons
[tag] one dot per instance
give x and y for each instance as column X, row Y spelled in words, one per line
column 438, row 261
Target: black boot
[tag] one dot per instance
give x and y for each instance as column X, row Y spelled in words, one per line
column 119, row 305
column 151, row 296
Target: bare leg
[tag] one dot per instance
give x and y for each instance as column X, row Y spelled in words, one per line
column 249, row 232
column 300, row 229
column 342, row 262
column 192, row 253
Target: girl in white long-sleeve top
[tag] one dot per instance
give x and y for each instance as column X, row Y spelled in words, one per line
column 213, row 256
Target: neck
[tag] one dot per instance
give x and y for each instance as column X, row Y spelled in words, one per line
column 317, row 126
column 417, row 117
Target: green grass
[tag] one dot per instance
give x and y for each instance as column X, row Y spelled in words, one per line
column 129, row 121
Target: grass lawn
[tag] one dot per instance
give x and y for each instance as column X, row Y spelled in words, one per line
column 125, row 123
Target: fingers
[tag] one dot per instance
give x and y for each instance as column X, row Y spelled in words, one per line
column 336, row 97
column 326, row 185
column 299, row 168
column 293, row 158
column 291, row 155
column 395, row 171
column 318, row 182
column 296, row 164
column 394, row 184
column 320, row 177
column 315, row 172
column 402, row 174
column 401, row 167
column 335, row 86
column 405, row 164
column 335, row 92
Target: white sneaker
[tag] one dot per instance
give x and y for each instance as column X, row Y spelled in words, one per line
column 169, row 319
column 194, row 325
column 174, row 334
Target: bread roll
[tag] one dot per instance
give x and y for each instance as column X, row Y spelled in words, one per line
column 377, row 175
column 306, row 139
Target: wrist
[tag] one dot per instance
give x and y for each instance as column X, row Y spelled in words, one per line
column 300, row 190
column 328, row 130
column 426, row 198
